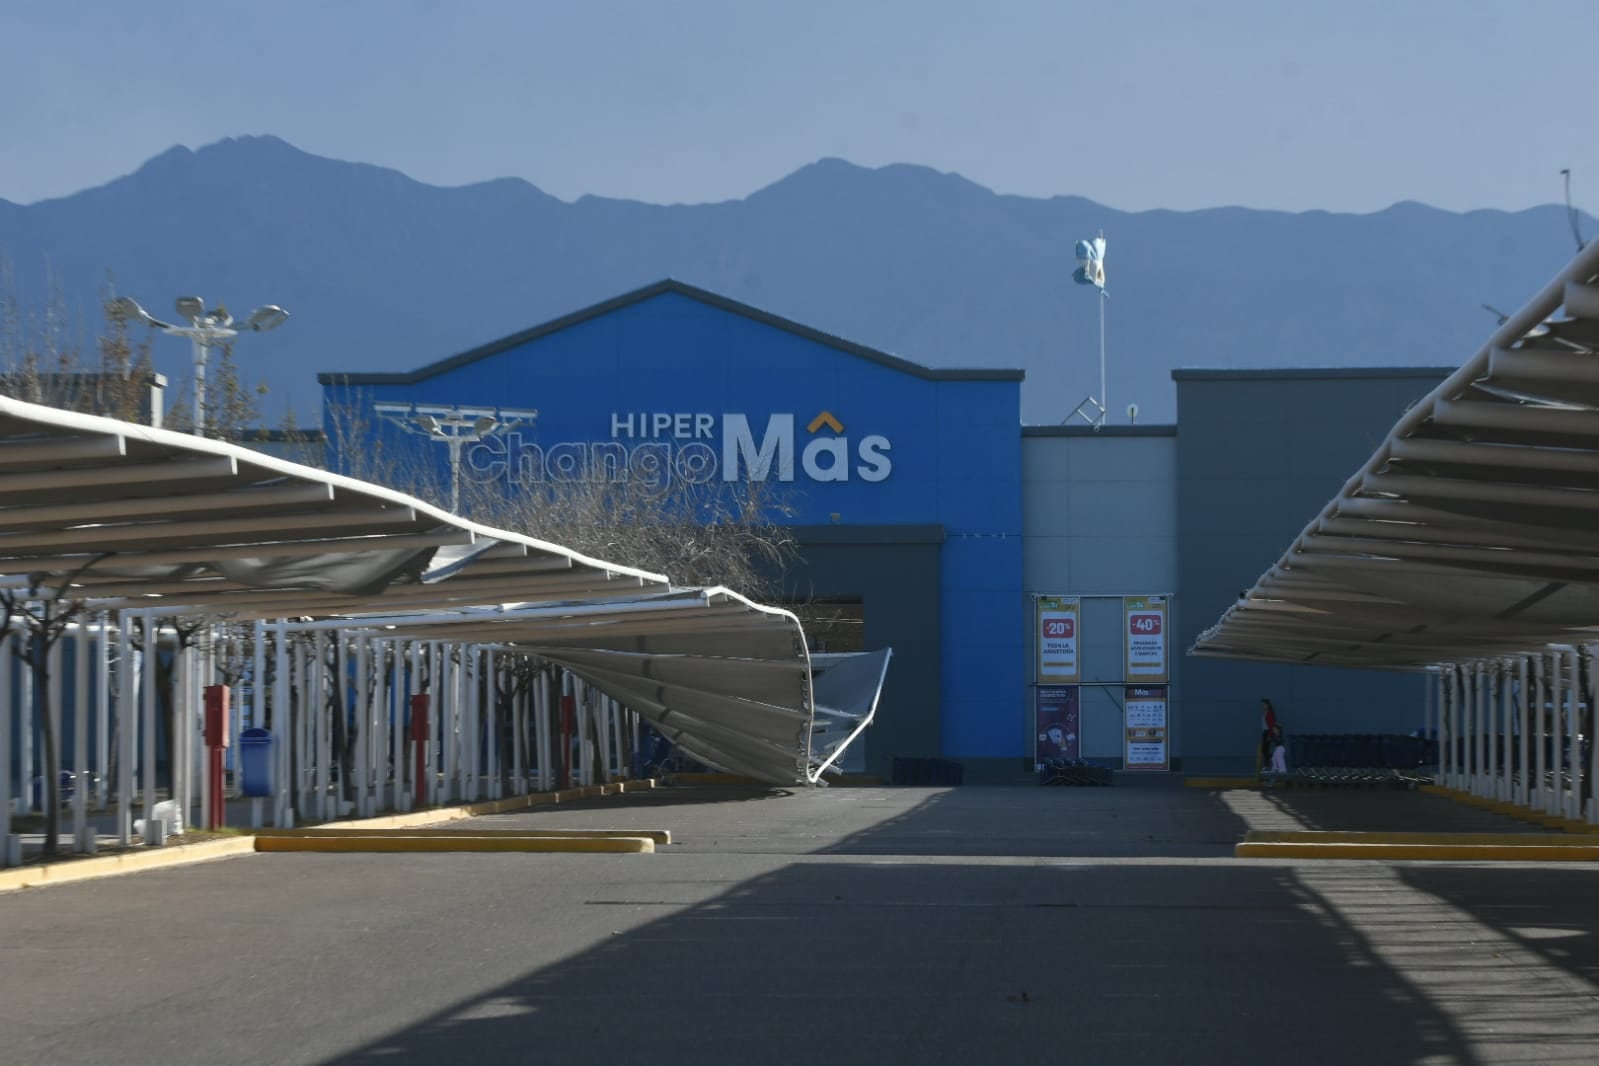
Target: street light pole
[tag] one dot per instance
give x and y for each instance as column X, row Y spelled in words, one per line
column 456, row 427
column 205, row 330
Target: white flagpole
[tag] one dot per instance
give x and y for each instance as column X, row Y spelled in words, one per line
column 1104, row 397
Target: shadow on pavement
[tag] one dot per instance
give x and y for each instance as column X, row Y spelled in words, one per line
column 881, row 962
column 1056, row 822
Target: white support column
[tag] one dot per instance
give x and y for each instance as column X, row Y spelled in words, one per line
column 471, row 719
column 57, row 685
column 1480, row 694
column 258, row 675
column 152, row 676
column 82, row 652
column 541, row 728
column 1557, row 733
column 1523, row 791
column 465, row 721
column 449, row 724
column 404, row 767
column 385, row 699
column 1457, row 752
column 7, row 717
column 321, row 725
column 1463, row 755
column 1572, row 807
column 518, row 735
column 394, row 711
column 304, row 759
column 1539, row 765
column 1591, row 808
column 1446, row 726
column 494, row 665
column 187, row 670
column 125, row 719
column 443, row 788
column 1495, row 704
column 279, row 723
column 361, row 718
column 102, row 712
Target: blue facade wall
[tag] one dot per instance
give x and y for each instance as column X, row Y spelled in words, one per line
column 675, row 377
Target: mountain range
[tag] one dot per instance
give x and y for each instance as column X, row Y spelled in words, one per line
column 384, row 273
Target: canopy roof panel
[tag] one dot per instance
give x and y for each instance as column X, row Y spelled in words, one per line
column 1469, row 532
column 116, row 516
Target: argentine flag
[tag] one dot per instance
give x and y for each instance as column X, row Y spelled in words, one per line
column 1091, row 257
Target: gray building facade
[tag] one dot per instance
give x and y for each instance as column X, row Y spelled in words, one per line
column 1260, row 453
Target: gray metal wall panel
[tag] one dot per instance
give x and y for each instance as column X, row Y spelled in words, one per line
column 899, row 585
column 1259, row 457
column 1100, row 518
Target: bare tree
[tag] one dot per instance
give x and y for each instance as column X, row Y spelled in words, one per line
column 46, row 612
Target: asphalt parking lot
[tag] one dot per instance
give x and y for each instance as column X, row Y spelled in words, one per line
column 862, row 925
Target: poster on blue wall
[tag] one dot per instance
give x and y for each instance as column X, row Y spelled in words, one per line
column 1058, row 724
column 1145, row 709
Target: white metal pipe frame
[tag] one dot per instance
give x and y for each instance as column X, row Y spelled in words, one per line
column 141, row 567
column 1465, row 547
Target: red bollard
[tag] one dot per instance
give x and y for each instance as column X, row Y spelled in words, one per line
column 419, row 740
column 216, row 742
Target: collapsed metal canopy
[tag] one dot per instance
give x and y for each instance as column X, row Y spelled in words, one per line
column 119, row 516
column 1469, row 533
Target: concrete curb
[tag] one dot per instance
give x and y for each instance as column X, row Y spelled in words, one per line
column 130, row 861
column 1514, row 810
column 1569, row 852
column 1221, row 782
column 659, row 836
column 455, row 842
column 138, row 858
column 1339, row 836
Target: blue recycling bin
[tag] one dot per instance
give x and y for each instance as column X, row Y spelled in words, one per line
column 255, row 762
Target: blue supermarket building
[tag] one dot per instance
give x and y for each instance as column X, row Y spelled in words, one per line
column 930, row 520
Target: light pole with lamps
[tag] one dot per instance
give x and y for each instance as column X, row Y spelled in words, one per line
column 205, row 330
column 456, row 427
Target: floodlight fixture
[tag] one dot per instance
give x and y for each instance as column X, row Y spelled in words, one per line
column 190, row 307
column 264, row 318
column 205, row 330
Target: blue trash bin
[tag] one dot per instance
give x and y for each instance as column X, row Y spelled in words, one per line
column 255, row 762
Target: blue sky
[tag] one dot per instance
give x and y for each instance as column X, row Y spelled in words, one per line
column 1347, row 105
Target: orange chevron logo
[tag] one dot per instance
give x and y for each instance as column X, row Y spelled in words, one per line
column 825, row 419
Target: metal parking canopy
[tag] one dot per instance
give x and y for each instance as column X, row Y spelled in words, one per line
column 122, row 517
column 1469, row 532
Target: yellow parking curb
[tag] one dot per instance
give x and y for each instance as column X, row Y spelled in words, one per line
column 130, row 861
column 1576, row 852
column 455, row 842
column 659, row 836
column 1339, row 836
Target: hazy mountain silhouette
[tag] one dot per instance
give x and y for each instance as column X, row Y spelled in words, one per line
column 385, row 273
